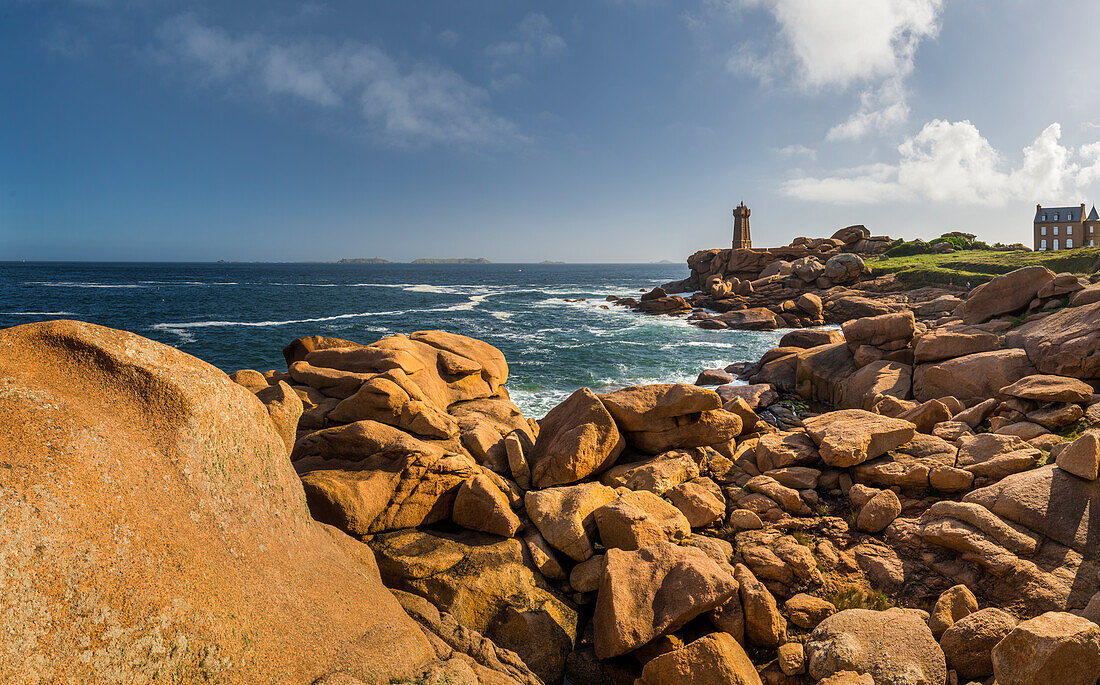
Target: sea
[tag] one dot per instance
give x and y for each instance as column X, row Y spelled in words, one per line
column 551, row 321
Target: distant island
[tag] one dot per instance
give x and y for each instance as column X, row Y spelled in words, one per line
column 364, row 260
column 550, row 261
column 452, row 260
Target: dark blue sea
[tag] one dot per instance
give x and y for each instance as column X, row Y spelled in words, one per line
column 241, row 315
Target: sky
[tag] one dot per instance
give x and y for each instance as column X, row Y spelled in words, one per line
column 519, row 131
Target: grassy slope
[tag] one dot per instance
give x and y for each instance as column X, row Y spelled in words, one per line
column 979, row 266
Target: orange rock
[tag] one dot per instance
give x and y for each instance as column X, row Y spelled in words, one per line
column 652, row 592
column 576, row 439
column 160, row 506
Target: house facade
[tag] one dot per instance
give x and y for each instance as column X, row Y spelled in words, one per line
column 1064, row 228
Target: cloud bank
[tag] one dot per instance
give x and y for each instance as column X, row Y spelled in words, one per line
column 952, row 162
column 405, row 104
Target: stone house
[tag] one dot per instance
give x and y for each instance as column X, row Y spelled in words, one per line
column 1064, row 228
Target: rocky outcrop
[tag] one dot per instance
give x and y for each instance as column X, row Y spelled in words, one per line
column 611, row 538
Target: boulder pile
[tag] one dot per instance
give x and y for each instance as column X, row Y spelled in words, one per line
column 384, row 511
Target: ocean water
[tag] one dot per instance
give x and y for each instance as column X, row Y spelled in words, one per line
column 241, row 315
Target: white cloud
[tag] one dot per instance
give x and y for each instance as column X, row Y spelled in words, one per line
column 534, row 37
column 843, row 44
column 403, row 104
column 1090, row 169
column 797, row 151
column 880, row 109
column 952, row 162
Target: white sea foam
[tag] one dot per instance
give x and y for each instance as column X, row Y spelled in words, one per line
column 37, row 314
column 70, row 284
column 173, row 327
column 700, row 343
column 202, row 283
column 466, row 306
column 177, row 327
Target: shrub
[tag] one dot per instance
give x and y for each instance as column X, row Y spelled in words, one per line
column 961, row 241
column 909, row 249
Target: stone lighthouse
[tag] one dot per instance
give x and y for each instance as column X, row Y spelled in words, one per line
column 742, row 239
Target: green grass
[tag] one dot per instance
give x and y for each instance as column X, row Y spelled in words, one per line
column 979, row 266
column 1073, row 431
column 855, row 598
column 804, row 539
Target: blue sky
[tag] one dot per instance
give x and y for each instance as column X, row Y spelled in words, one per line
column 588, row 130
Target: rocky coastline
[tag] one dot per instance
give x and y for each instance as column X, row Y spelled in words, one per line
column 909, row 499
column 811, row 282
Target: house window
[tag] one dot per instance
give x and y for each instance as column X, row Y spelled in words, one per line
column 1056, row 216
column 1043, row 217
column 1069, row 243
column 1043, row 244
column 1090, row 229
column 1055, row 243
column 1055, row 228
column 1092, row 243
column 1043, row 230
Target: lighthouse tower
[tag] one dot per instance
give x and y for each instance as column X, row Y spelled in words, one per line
column 742, row 239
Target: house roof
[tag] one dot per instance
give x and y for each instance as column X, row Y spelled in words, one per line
column 1093, row 216
column 1064, row 214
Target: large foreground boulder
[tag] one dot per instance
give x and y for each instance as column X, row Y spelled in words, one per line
column 895, row 647
column 154, row 529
